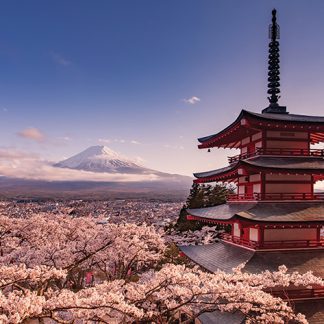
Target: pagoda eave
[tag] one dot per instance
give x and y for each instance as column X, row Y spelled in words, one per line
column 249, row 123
column 258, row 223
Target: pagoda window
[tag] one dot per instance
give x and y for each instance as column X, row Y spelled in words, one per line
column 278, row 134
column 321, row 233
column 289, row 188
column 286, row 144
column 290, row 234
column 236, row 230
column 254, row 234
column 257, row 188
column 258, row 144
column 241, row 190
column 288, row 177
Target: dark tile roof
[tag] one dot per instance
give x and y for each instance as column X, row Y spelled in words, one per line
column 304, row 163
column 225, row 256
column 221, row 212
column 313, row 164
column 301, row 261
column 312, row 309
column 219, row 317
column 287, row 117
column 264, row 211
column 215, row 172
column 270, row 117
column 221, row 256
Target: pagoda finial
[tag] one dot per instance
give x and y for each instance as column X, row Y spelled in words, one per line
column 273, row 68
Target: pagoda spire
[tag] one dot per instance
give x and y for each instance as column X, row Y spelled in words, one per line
column 273, row 68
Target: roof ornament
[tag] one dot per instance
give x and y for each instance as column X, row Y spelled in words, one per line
column 273, row 68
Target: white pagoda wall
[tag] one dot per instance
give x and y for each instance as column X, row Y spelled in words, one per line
column 253, row 234
column 291, row 234
column 236, row 230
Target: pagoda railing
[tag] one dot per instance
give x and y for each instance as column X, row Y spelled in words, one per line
column 277, row 151
column 275, row 196
column 293, row 294
column 273, row 245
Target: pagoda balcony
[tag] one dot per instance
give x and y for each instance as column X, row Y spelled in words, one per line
column 297, row 294
column 275, row 196
column 277, row 151
column 273, row 245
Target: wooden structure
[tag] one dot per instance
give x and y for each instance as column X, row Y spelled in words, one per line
column 276, row 216
column 275, row 206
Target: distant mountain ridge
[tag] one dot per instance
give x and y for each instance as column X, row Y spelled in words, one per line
column 100, row 159
column 103, row 159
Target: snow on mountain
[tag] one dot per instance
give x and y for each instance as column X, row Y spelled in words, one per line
column 102, row 159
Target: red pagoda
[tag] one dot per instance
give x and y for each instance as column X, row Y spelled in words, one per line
column 276, row 217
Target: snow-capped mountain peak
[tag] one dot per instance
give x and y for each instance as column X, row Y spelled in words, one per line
column 101, row 159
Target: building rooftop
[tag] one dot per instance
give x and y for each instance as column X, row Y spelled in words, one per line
column 264, row 211
column 237, row 130
column 225, row 257
column 299, row 163
column 218, row 317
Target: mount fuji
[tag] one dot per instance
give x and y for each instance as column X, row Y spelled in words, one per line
column 105, row 162
column 103, row 159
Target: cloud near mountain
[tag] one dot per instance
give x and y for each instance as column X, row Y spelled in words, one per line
column 19, row 164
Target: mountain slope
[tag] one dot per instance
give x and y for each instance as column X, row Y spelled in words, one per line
column 103, row 159
column 99, row 159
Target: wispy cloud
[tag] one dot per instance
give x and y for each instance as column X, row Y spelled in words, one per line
column 19, row 164
column 173, row 147
column 64, row 138
column 60, row 59
column 191, row 101
column 104, row 140
column 9, row 153
column 118, row 140
column 33, row 134
column 4, row 109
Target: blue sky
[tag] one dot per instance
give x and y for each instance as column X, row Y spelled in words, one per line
column 79, row 73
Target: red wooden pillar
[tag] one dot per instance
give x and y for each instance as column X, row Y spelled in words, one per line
column 318, row 238
column 263, row 185
column 261, row 236
column 312, row 186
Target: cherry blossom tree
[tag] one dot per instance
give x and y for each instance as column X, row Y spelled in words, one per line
column 44, row 259
column 79, row 245
column 158, row 296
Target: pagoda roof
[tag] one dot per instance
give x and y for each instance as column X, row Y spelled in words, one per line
column 263, row 212
column 224, row 256
column 216, row 256
column 218, row 317
column 300, row 164
column 312, row 309
column 296, row 163
column 237, row 130
column 287, row 117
